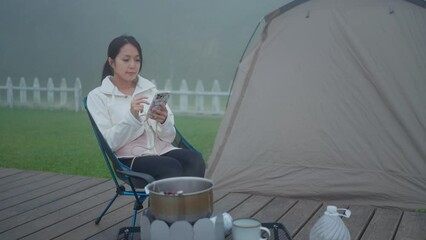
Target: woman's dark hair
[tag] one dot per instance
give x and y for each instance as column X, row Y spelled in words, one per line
column 114, row 48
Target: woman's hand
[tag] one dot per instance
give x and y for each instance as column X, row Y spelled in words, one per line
column 137, row 105
column 159, row 113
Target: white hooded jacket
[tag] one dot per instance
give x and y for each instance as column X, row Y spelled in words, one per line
column 127, row 135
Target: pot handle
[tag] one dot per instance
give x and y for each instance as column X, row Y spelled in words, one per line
column 146, row 189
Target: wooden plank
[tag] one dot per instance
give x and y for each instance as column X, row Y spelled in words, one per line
column 250, row 206
column 274, row 209
column 4, row 172
column 40, row 211
column 4, row 182
column 57, row 216
column 412, row 226
column 111, row 233
column 217, row 195
column 86, row 218
column 383, row 225
column 229, row 202
column 10, row 177
column 298, row 215
column 358, row 222
column 25, row 182
column 32, row 183
column 66, row 219
column 68, row 212
column 57, row 191
column 90, row 229
column 40, row 192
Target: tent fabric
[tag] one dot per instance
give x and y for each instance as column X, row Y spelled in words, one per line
column 330, row 105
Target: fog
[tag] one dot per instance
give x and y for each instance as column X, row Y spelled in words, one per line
column 186, row 39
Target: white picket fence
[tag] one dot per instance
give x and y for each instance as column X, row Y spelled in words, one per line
column 45, row 100
column 197, row 101
column 183, row 100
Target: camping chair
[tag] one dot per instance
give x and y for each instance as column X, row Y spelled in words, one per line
column 124, row 173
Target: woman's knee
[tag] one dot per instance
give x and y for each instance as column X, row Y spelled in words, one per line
column 192, row 162
column 170, row 169
column 197, row 165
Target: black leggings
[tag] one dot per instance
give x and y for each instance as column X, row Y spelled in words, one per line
column 176, row 163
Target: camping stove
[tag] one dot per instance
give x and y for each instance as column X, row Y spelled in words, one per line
column 203, row 229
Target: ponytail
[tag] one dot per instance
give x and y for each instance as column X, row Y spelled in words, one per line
column 107, row 70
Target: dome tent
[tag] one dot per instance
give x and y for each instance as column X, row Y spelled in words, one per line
column 330, row 104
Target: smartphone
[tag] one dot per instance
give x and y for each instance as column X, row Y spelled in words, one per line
column 160, row 97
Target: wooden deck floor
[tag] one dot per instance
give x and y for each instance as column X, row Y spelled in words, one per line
column 43, row 205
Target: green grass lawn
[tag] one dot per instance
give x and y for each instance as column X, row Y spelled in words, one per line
column 63, row 141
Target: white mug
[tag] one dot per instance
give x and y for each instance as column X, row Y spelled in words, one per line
column 248, row 229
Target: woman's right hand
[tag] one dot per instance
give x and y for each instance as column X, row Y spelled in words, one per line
column 137, row 105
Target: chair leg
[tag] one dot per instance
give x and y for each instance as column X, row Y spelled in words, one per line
column 106, row 209
column 136, row 207
column 135, row 214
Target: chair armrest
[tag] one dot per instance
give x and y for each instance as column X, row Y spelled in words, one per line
column 146, row 177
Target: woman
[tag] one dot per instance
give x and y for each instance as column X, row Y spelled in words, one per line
column 141, row 139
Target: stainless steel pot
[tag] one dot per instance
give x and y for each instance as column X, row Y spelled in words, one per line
column 181, row 198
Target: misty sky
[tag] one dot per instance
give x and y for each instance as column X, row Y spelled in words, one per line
column 186, row 39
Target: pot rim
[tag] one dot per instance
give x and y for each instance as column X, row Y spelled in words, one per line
column 178, row 178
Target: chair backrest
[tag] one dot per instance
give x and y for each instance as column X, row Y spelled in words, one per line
column 107, row 152
column 181, row 142
column 111, row 158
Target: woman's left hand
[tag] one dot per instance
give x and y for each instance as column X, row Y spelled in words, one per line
column 159, row 113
